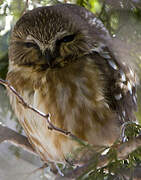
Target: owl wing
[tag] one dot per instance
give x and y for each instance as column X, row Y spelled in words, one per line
column 120, row 83
column 120, row 90
column 120, row 79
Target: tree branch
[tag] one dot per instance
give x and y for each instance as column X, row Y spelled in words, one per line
column 8, row 135
column 123, row 150
column 45, row 116
column 26, row 7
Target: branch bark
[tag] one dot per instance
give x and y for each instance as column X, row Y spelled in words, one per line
column 45, row 116
column 8, row 135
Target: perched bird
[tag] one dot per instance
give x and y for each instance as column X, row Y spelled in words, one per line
column 61, row 63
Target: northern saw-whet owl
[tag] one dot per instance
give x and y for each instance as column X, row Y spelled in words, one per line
column 60, row 63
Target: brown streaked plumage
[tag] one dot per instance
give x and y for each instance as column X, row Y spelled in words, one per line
column 61, row 64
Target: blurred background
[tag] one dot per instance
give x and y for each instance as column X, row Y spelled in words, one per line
column 123, row 20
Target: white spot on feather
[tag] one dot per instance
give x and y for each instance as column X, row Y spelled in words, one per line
column 121, row 85
column 107, row 56
column 123, row 112
column 112, row 64
column 131, row 72
column 123, row 77
column 134, row 99
column 129, row 87
column 118, row 96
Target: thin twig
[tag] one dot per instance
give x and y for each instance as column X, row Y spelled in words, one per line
column 102, row 9
column 26, row 6
column 46, row 116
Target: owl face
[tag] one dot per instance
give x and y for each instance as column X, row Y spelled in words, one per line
column 47, row 37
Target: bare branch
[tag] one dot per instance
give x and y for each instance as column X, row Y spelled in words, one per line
column 26, row 6
column 45, row 116
column 8, row 135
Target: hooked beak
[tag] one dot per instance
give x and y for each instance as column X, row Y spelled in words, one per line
column 48, row 57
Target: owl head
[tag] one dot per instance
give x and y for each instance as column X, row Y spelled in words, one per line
column 51, row 37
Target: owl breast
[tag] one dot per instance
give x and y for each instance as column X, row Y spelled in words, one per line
column 75, row 100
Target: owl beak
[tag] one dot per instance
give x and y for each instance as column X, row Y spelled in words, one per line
column 48, row 56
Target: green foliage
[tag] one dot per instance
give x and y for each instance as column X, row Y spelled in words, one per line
column 16, row 8
column 115, row 167
column 92, row 5
column 114, row 21
column 132, row 130
column 4, row 55
column 95, row 6
column 83, row 3
column 3, row 66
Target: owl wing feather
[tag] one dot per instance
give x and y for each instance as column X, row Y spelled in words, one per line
column 121, row 80
column 120, row 90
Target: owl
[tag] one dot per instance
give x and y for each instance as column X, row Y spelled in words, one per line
column 61, row 63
